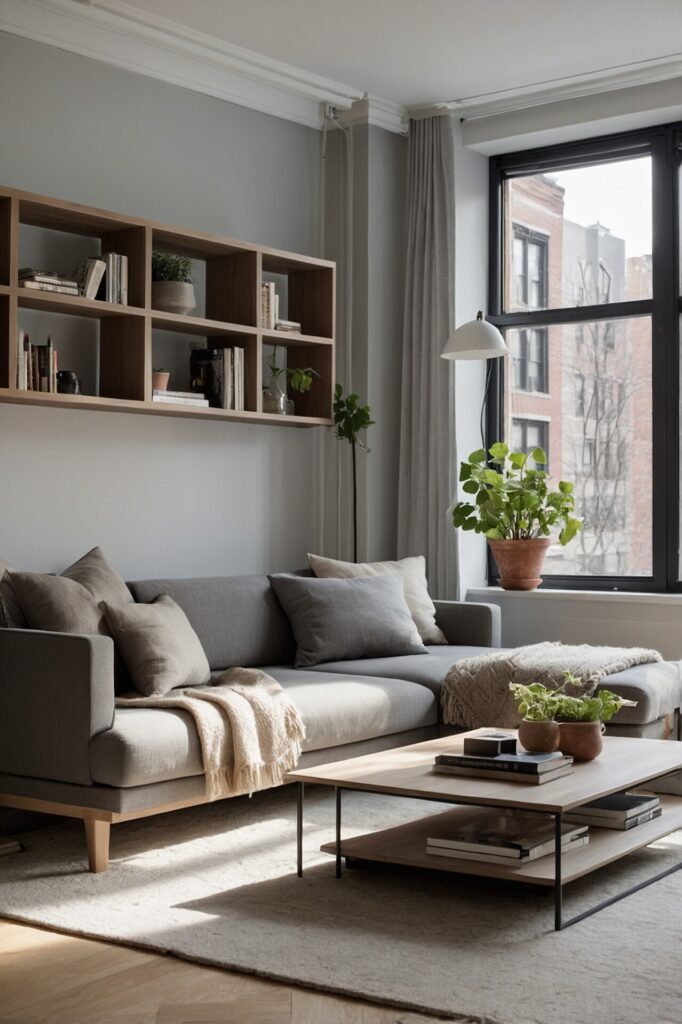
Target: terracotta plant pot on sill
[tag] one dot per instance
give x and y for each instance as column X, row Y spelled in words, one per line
column 519, row 562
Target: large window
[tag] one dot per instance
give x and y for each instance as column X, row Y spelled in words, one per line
column 585, row 285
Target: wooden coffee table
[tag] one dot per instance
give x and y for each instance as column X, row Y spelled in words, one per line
column 406, row 771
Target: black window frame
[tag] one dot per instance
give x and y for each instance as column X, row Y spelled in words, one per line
column 663, row 143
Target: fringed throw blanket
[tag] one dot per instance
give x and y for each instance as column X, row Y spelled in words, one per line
column 249, row 729
column 476, row 690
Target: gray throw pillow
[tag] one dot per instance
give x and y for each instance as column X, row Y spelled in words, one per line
column 158, row 645
column 70, row 603
column 343, row 619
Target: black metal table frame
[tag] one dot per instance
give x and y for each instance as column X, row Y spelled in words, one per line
column 559, row 921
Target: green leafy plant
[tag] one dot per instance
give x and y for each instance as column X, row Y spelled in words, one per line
column 301, row 380
column 512, row 499
column 538, row 704
column 535, row 702
column 167, row 266
column 350, row 417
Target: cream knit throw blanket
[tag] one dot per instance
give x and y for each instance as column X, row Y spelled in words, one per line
column 476, row 690
column 249, row 729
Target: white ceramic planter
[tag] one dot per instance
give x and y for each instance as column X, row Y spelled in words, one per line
column 173, row 297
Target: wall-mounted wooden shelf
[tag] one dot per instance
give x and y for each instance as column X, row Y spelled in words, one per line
column 126, row 335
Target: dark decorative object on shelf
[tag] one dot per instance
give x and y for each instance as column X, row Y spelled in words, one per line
column 206, row 374
column 68, row 383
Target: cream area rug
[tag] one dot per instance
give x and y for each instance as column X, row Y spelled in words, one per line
column 218, row 884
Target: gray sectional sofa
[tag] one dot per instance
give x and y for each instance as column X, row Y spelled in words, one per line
column 66, row 749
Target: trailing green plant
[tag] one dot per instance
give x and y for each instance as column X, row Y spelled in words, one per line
column 511, row 497
column 535, row 702
column 538, row 704
column 167, row 266
column 301, row 380
column 350, row 417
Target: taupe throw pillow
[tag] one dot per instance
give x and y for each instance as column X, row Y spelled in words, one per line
column 158, row 645
column 413, row 572
column 70, row 603
column 336, row 620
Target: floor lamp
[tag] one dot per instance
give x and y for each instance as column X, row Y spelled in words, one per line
column 476, row 339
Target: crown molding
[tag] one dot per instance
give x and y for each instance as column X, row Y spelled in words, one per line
column 625, row 76
column 117, row 33
column 373, row 110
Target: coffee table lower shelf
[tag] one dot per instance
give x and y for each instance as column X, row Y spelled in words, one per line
column 406, row 845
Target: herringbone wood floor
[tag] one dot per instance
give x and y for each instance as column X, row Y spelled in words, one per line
column 48, row 978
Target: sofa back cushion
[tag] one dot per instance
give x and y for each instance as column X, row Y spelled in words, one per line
column 238, row 619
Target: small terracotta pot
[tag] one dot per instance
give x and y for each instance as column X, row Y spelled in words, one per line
column 583, row 740
column 539, row 737
column 519, row 562
column 160, row 380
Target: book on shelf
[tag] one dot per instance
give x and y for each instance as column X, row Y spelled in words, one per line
column 88, row 275
column 233, row 379
column 114, row 285
column 269, row 305
column 537, row 779
column 27, row 275
column 36, row 365
column 41, row 286
column 527, row 764
column 288, row 326
column 504, row 837
column 618, row 811
column 177, row 394
column 168, row 399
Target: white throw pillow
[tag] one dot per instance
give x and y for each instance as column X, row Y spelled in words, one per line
column 413, row 571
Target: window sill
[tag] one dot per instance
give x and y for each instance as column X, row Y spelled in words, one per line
column 619, row 596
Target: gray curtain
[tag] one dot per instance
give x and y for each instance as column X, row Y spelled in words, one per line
column 427, row 442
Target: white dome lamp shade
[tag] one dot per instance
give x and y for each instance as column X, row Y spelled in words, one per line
column 476, row 339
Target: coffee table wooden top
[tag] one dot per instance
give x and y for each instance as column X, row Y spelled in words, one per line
column 406, row 771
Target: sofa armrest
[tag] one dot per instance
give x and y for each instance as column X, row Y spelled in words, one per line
column 465, row 623
column 56, row 693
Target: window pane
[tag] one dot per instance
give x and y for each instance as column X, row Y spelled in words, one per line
column 579, row 237
column 530, row 360
column 595, row 423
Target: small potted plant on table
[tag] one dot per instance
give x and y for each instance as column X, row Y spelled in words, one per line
column 516, row 510
column 538, row 731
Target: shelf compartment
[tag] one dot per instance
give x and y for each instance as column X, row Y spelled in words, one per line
column 309, row 292
column 171, row 352
column 316, row 403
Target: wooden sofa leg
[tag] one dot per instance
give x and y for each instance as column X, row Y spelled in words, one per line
column 97, row 837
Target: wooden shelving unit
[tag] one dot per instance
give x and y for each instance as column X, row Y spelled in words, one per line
column 233, row 274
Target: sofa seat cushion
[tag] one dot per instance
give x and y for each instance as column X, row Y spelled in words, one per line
column 657, row 687
column 147, row 745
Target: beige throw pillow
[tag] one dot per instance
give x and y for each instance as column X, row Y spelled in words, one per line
column 70, row 603
column 158, row 645
column 413, row 571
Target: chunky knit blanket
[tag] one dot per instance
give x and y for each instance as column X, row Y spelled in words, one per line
column 249, row 729
column 476, row 690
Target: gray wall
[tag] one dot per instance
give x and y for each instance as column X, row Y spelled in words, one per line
column 160, row 495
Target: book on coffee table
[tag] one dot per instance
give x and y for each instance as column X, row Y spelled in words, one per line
column 617, row 811
column 504, row 837
column 531, row 768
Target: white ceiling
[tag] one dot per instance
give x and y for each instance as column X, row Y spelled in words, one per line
column 418, row 52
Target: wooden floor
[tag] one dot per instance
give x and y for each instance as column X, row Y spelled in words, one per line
column 48, row 978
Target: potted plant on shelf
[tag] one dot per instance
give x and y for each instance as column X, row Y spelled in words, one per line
column 275, row 394
column 160, row 379
column 574, row 723
column 514, row 507
column 172, row 286
column 538, row 731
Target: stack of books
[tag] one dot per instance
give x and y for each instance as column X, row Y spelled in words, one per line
column 531, row 768
column 36, row 365
column 510, row 838
column 269, row 311
column 47, row 281
column 179, row 398
column 114, row 288
column 619, row 811
column 290, row 326
column 233, row 379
